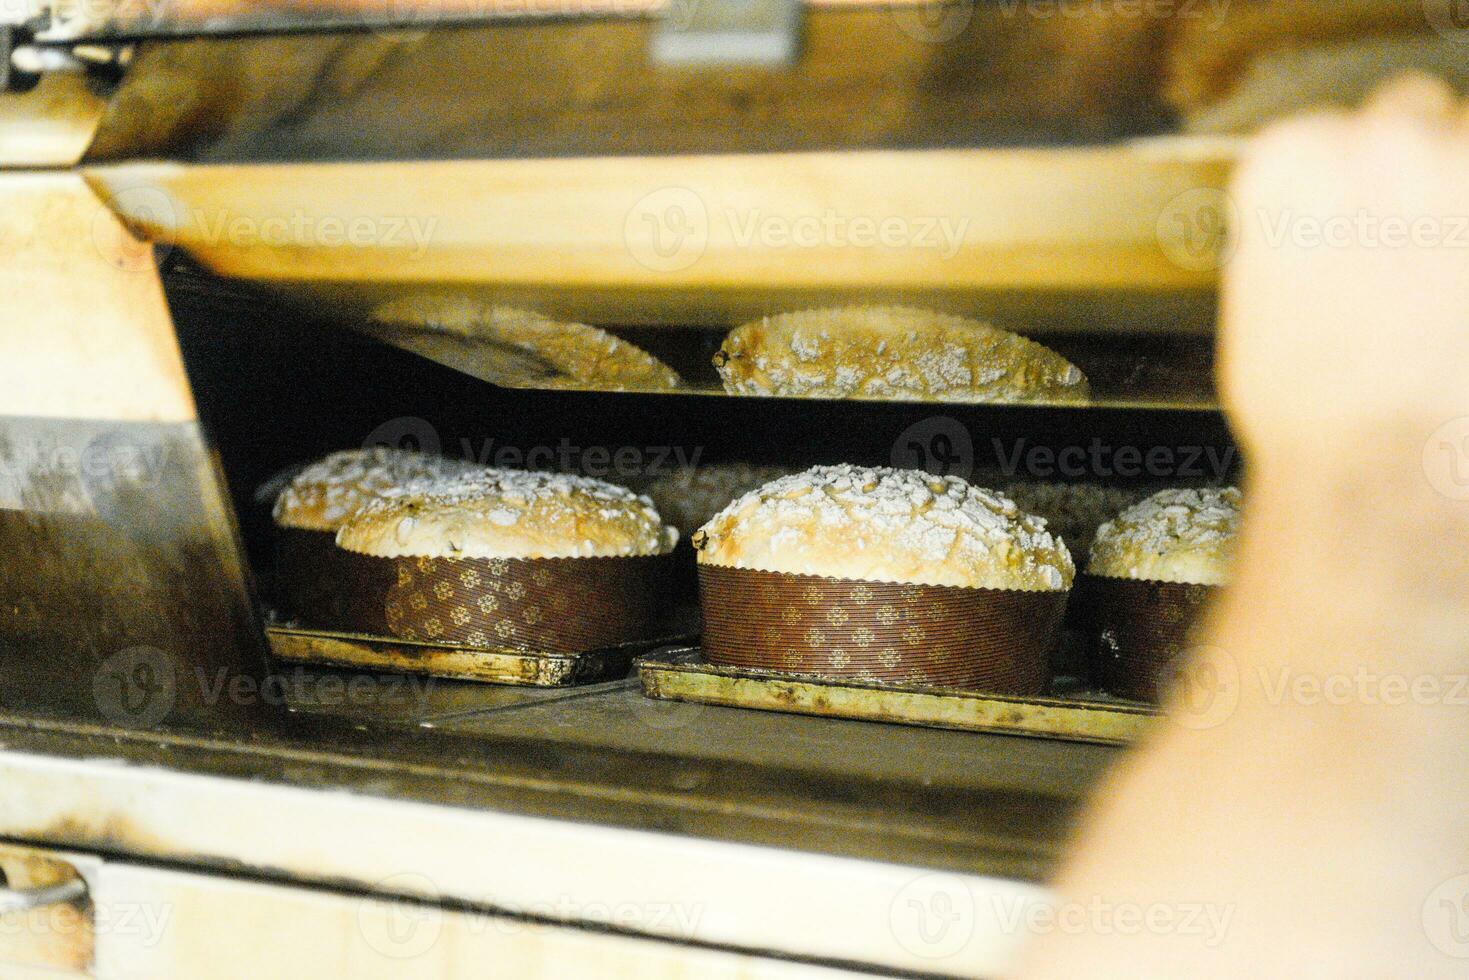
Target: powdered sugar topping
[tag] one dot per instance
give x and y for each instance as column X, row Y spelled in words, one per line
column 892, row 353
column 330, row 490
column 887, row 525
column 1184, row 535
column 501, row 513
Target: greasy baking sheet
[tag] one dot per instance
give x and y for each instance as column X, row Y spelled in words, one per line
column 684, row 675
column 489, row 665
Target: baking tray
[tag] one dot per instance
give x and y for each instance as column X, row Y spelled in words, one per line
column 682, row 674
column 488, row 665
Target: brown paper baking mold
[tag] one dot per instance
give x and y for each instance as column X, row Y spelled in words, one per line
column 550, row 605
column 1139, row 629
column 309, row 578
column 979, row 639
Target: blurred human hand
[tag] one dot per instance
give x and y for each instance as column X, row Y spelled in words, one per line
column 1346, row 303
column 1331, row 830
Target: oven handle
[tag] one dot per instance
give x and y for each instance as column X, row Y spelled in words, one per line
column 30, row 899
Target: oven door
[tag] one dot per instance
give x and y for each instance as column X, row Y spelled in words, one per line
column 77, row 915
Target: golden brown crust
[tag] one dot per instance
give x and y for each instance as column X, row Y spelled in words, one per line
column 326, row 493
column 892, row 353
column 509, row 514
column 527, row 349
column 887, row 525
column 1172, row 536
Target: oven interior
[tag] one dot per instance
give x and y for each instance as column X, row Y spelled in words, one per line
column 1088, row 153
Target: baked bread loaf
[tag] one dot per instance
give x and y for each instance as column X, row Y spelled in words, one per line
column 324, row 494
column 1173, row 536
column 509, row 514
column 892, row 353
column 886, row 525
column 518, row 348
column 690, row 496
